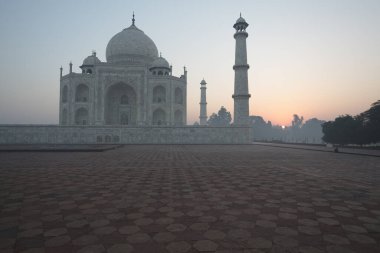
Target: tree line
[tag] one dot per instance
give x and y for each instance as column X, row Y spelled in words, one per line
column 309, row 131
column 360, row 129
column 301, row 131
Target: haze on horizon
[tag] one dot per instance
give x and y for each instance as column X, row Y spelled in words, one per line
column 313, row 58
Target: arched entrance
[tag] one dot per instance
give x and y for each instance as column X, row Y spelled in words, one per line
column 159, row 95
column 159, row 117
column 178, row 96
column 120, row 105
column 81, row 116
column 178, row 118
column 81, row 93
column 124, row 119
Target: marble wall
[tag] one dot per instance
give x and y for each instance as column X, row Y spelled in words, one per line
column 54, row 134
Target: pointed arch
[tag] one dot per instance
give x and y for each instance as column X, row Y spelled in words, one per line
column 159, row 117
column 124, row 118
column 120, row 105
column 178, row 96
column 82, row 93
column 159, row 94
column 178, row 118
column 81, row 116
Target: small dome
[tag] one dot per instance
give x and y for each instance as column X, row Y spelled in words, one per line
column 241, row 20
column 240, row 24
column 131, row 45
column 91, row 60
column 203, row 82
column 160, row 62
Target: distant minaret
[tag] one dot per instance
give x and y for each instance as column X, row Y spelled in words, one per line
column 241, row 95
column 185, row 72
column 203, row 105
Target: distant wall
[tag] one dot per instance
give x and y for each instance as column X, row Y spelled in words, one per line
column 54, row 134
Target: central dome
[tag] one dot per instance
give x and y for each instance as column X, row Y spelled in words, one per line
column 131, row 45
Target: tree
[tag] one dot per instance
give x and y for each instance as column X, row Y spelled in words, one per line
column 343, row 130
column 308, row 132
column 329, row 132
column 295, row 129
column 223, row 118
column 371, row 120
column 297, row 121
column 361, row 129
column 261, row 129
column 311, row 130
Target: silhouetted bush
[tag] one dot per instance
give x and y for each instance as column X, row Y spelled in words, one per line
column 361, row 129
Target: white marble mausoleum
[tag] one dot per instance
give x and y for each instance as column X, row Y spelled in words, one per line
column 134, row 87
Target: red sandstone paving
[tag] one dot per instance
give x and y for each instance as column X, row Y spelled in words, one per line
column 189, row 198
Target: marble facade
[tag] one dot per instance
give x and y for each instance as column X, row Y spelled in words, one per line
column 133, row 98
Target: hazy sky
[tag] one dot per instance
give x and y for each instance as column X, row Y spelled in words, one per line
column 316, row 58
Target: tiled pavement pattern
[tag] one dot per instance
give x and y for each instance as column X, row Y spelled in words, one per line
column 193, row 198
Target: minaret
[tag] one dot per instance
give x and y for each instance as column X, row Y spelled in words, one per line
column 60, row 71
column 185, row 72
column 203, row 105
column 241, row 95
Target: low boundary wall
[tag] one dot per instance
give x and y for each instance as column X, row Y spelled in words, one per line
column 55, row 134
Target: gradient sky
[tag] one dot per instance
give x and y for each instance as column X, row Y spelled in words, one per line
column 316, row 58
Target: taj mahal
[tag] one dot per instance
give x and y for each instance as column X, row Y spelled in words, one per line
column 133, row 97
column 134, row 87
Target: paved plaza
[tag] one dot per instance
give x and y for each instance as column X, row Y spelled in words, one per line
column 189, row 198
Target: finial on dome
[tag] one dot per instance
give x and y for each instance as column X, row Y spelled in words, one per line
column 93, row 53
column 133, row 18
column 240, row 14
